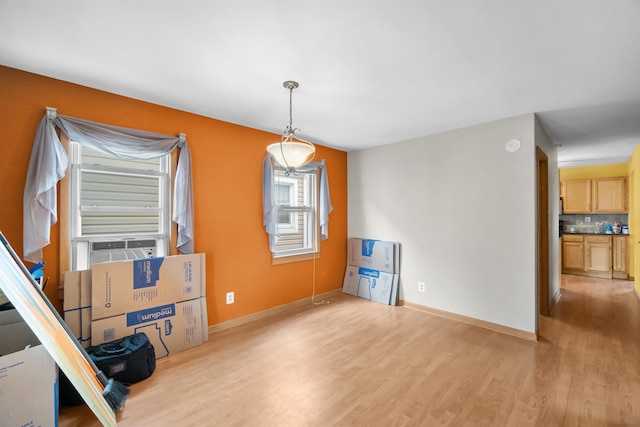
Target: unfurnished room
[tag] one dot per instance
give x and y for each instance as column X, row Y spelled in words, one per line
column 320, row 213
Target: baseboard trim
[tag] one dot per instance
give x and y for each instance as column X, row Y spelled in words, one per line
column 270, row 312
column 530, row 336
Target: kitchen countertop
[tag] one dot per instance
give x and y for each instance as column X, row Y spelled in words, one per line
column 594, row 234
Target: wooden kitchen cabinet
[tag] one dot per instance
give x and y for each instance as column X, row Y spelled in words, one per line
column 576, row 196
column 604, row 256
column 620, row 253
column 609, row 194
column 599, row 195
column 597, row 260
column 572, row 253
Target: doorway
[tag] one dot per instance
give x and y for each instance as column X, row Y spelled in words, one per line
column 542, row 176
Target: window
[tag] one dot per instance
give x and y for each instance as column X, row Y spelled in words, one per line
column 297, row 199
column 295, row 210
column 119, row 209
column 287, row 193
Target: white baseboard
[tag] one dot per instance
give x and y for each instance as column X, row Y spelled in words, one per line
column 269, row 312
column 530, row 336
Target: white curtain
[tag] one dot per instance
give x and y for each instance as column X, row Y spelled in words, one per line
column 270, row 201
column 49, row 162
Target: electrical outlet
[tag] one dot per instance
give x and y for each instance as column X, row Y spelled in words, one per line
column 421, row 286
column 587, row 219
column 230, row 298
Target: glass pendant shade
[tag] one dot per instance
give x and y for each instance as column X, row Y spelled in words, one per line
column 292, row 154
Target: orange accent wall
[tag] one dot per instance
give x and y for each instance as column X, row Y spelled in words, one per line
column 227, row 174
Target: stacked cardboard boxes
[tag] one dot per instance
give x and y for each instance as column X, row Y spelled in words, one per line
column 77, row 304
column 373, row 270
column 163, row 297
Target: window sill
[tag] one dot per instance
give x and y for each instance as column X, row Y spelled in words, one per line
column 286, row 259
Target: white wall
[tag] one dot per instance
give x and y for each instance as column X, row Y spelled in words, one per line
column 463, row 209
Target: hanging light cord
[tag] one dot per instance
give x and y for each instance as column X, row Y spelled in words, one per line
column 289, row 132
column 291, row 109
column 290, row 136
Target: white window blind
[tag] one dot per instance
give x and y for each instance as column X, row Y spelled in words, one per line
column 117, row 199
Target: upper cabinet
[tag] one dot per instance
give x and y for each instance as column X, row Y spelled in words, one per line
column 576, row 196
column 600, row 195
column 610, row 194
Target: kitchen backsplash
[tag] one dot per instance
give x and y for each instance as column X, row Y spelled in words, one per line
column 587, row 223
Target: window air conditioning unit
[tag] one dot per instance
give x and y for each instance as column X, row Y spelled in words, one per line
column 122, row 250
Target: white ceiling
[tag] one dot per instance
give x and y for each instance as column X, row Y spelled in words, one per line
column 370, row 72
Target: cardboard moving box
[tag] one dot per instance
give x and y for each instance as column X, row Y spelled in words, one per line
column 15, row 334
column 28, row 376
column 374, row 254
column 373, row 270
column 170, row 327
column 77, row 304
column 373, row 285
column 71, row 302
column 125, row 286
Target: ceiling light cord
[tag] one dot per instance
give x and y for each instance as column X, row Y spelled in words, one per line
column 291, row 152
column 313, row 292
column 289, row 133
column 290, row 128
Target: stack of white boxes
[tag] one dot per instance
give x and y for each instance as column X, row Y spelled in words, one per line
column 163, row 297
column 373, row 270
column 28, row 376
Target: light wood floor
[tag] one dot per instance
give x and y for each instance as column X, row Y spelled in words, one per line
column 357, row 363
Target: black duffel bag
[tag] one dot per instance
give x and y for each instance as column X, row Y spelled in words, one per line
column 127, row 360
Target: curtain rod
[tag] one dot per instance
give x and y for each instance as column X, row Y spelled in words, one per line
column 52, row 113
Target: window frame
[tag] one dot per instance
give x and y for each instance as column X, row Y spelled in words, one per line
column 311, row 233
column 79, row 245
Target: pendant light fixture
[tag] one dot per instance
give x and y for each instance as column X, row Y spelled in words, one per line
column 292, row 152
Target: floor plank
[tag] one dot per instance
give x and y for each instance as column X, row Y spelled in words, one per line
column 353, row 362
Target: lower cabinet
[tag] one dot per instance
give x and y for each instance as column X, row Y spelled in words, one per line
column 596, row 255
column 572, row 253
column 620, row 257
column 597, row 260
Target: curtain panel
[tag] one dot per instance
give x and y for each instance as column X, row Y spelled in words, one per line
column 49, row 161
column 270, row 199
